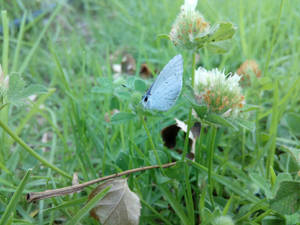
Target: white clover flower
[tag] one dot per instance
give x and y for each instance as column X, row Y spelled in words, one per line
column 189, row 5
column 221, row 94
column 188, row 25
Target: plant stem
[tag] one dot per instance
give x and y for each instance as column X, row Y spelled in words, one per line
column 189, row 198
column 211, row 149
column 273, row 131
column 243, row 147
column 5, row 24
column 5, row 53
column 186, row 141
column 32, row 152
column 33, row 196
column 274, row 37
column 150, row 140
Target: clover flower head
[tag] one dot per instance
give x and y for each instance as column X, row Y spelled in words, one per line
column 188, row 25
column 219, row 93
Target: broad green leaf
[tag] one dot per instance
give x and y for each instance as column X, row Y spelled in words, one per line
column 262, row 183
column 292, row 219
column 287, row 199
column 122, row 160
column 34, row 89
column 289, row 161
column 122, row 117
column 175, row 172
column 222, row 31
column 161, row 154
column 105, row 86
column 272, row 220
column 219, row 120
column 293, row 121
column 17, row 91
column 123, row 95
column 140, row 85
column 163, row 36
column 202, row 40
column 280, row 178
column 201, row 110
column 215, row 48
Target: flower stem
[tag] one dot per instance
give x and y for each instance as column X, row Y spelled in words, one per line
column 186, row 141
column 32, row 152
column 4, row 62
column 211, row 149
column 150, row 140
column 189, row 198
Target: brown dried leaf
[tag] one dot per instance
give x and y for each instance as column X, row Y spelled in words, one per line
column 145, row 72
column 169, row 134
column 128, row 64
column 120, row 206
column 195, row 130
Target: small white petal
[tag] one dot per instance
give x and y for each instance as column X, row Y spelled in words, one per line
column 189, row 5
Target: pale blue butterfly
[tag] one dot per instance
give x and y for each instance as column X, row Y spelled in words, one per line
column 165, row 90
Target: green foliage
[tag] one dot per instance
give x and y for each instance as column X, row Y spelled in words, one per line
column 287, row 198
column 88, row 119
column 18, row 91
column 122, row 117
column 220, row 32
column 11, row 207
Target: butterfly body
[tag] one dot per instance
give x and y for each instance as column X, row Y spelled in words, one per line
column 165, row 90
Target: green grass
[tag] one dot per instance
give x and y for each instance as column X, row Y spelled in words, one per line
column 69, row 50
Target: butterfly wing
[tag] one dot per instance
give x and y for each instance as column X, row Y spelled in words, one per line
column 165, row 90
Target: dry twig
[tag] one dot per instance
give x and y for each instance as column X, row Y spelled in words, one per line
column 34, row 196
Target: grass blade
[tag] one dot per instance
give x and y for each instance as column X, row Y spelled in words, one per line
column 10, row 209
column 40, row 37
column 175, row 205
column 83, row 211
column 32, row 152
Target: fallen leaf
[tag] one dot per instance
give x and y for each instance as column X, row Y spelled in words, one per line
column 116, row 68
column 128, row 64
column 193, row 135
column 169, row 134
column 120, row 206
column 145, row 72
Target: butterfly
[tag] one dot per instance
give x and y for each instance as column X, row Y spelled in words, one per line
column 165, row 90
